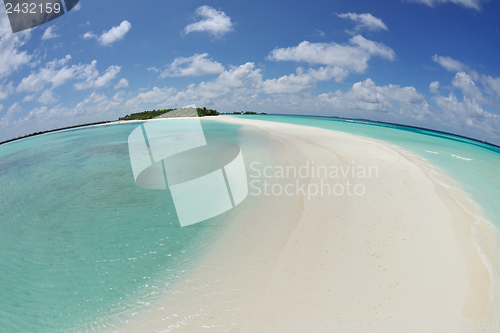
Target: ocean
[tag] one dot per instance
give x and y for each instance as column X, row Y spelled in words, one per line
column 82, row 246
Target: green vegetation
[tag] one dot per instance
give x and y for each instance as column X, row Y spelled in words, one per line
column 202, row 112
column 145, row 115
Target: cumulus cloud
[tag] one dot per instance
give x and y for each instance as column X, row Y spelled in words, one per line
column 89, row 104
column 6, row 90
column 123, row 83
column 29, row 98
column 303, row 80
column 367, row 21
column 434, row 87
column 319, row 33
column 288, row 84
column 49, row 33
column 328, row 72
column 49, row 74
column 491, row 85
column 196, row 65
column 468, row 115
column 367, row 96
column 47, row 97
column 57, row 72
column 5, row 120
column 93, row 80
column 37, row 113
column 473, row 4
column 353, row 57
column 153, row 96
column 244, row 84
column 215, row 22
column 89, row 35
column 112, row 35
column 93, row 107
column 469, row 89
column 239, row 80
column 449, row 64
column 236, row 77
column 11, row 57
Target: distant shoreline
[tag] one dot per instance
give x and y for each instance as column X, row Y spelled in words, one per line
column 374, row 122
column 55, row 130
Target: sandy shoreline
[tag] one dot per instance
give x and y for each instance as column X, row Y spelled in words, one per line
column 400, row 253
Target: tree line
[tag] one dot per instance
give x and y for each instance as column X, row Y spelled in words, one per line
column 145, row 115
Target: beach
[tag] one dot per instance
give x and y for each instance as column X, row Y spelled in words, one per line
column 362, row 240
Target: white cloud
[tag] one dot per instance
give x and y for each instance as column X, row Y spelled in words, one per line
column 93, row 107
column 123, row 83
column 320, row 33
column 193, row 66
column 87, row 104
column 434, row 87
column 473, row 4
column 469, row 89
column 367, row 21
column 449, row 64
column 89, row 35
column 94, row 81
column 239, row 80
column 5, row 120
column 244, row 77
column 367, row 96
column 468, row 115
column 328, row 72
column 10, row 44
column 115, row 34
column 353, row 57
column 492, row 85
column 236, row 77
column 77, row 7
column 6, row 90
column 57, row 72
column 154, row 96
column 244, row 85
column 29, row 98
column 302, row 81
column 49, row 33
column 37, row 113
column 36, row 81
column 216, row 23
column 47, row 97
column 288, row 84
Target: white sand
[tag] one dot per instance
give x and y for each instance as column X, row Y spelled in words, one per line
column 399, row 254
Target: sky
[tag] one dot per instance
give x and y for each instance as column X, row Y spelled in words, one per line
column 427, row 63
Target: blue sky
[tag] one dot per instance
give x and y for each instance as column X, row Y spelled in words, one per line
column 429, row 63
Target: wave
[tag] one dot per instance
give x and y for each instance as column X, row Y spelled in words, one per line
column 462, row 158
column 479, row 235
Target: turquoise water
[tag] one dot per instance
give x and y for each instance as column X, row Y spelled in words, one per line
column 474, row 165
column 80, row 243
